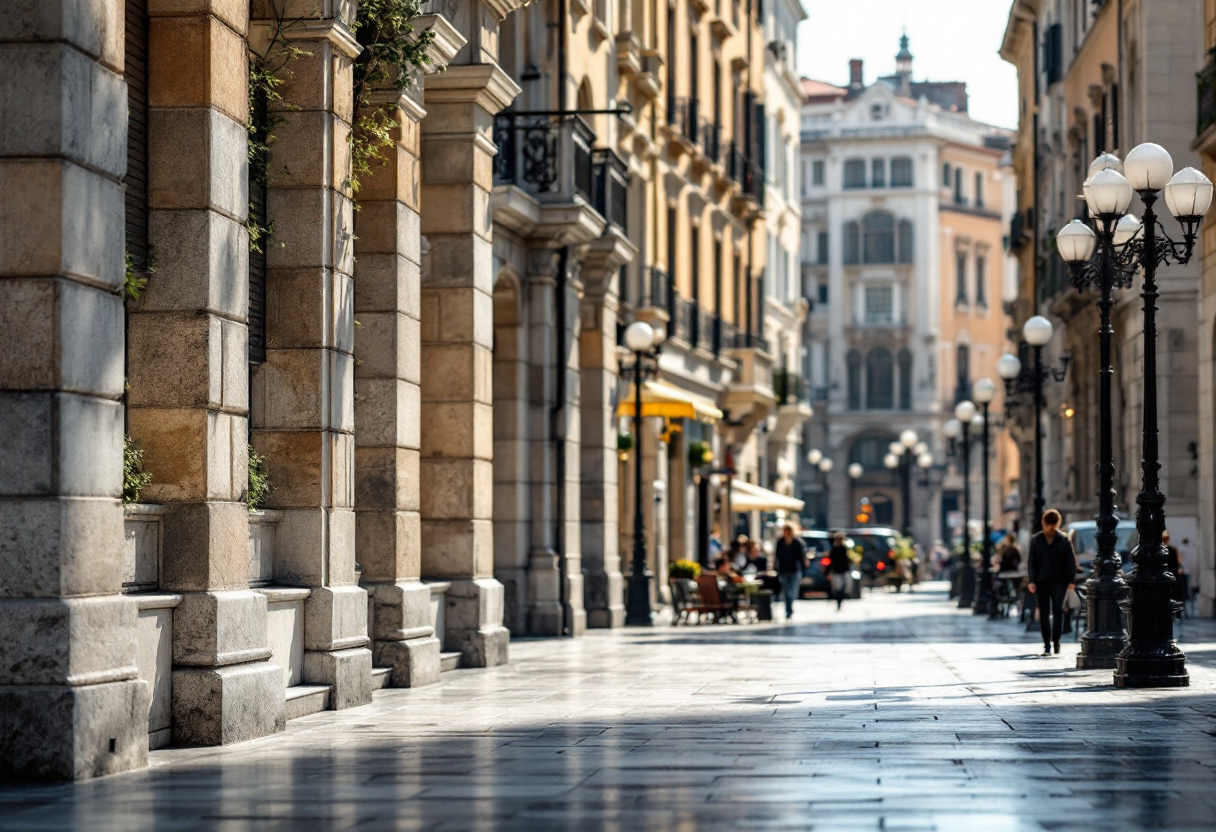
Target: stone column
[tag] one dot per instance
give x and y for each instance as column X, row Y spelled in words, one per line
column 188, row 373
column 387, row 407
column 70, row 704
column 599, row 505
column 303, row 406
column 457, row 338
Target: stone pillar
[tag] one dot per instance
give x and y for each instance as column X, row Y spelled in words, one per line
column 303, row 406
column 457, row 339
column 387, row 407
column 599, row 505
column 70, row 704
column 188, row 373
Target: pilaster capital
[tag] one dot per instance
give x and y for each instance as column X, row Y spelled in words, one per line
column 483, row 84
column 332, row 29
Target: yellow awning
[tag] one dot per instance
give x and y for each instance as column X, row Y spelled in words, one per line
column 747, row 497
column 659, row 399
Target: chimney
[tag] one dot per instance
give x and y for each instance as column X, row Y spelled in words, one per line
column 855, row 75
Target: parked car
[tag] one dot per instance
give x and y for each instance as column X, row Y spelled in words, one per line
column 1084, row 534
column 815, row 578
column 878, row 566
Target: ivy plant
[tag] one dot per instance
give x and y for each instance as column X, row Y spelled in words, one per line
column 134, row 477
column 259, row 481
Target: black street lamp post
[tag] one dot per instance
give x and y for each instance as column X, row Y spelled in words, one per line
column 823, row 464
column 904, row 455
column 640, row 339
column 1037, row 332
column 1150, row 657
column 960, row 426
column 985, row 392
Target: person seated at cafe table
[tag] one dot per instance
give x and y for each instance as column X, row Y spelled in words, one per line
column 757, row 560
column 725, row 569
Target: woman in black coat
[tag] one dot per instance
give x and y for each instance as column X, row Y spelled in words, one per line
column 1051, row 570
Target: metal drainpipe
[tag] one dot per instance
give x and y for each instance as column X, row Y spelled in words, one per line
column 559, row 435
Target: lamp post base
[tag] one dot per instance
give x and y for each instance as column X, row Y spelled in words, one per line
column 966, row 591
column 637, row 604
column 1103, row 637
column 1151, row 658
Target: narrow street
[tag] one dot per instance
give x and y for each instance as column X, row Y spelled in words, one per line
column 900, row 712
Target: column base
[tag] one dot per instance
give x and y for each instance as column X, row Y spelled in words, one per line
column 415, row 662
column 603, row 599
column 1104, row 637
column 347, row 672
column 73, row 733
column 545, row 615
column 473, row 622
column 226, row 705
column 1159, row 672
column 609, row 619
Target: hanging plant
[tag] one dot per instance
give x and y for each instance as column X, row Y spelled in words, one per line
column 624, row 442
column 392, row 53
column 259, row 481
column 134, row 477
column 700, row 454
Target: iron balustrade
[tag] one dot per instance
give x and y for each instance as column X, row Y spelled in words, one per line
column 705, row 329
column 728, row 333
column 611, row 187
column 1206, row 82
column 745, row 171
column 655, row 290
column 682, row 117
column 544, row 154
column 790, row 388
column 711, row 141
column 685, row 320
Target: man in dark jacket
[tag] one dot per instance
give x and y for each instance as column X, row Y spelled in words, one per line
column 790, row 555
column 1051, row 570
column 839, row 565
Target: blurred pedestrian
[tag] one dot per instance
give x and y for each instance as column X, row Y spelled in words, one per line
column 715, row 544
column 1174, row 564
column 791, row 560
column 1051, row 570
column 839, row 566
column 1009, row 556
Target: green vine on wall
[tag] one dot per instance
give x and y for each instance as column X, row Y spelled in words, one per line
column 134, row 477
column 392, row 52
column 259, row 481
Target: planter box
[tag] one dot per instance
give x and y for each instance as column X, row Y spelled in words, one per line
column 262, row 526
column 143, row 533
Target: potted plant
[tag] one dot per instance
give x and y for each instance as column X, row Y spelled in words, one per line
column 700, row 454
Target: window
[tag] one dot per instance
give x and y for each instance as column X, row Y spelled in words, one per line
column 880, row 379
column 817, row 172
column 869, row 452
column 901, row 172
column 905, row 380
column 854, row 362
column 962, row 388
column 880, row 304
column 960, row 277
column 979, row 190
column 947, row 176
column 981, row 278
column 806, row 180
column 852, row 243
column 855, row 173
column 823, row 294
column 879, row 237
column 959, row 197
column 822, row 248
column 905, row 242
column 878, row 173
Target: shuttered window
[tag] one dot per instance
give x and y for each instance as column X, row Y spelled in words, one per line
column 136, row 180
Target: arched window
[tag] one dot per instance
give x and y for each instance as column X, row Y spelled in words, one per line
column 868, row 452
column 901, row 172
column 878, row 232
column 905, row 380
column 855, row 173
column 852, row 243
column 854, row 362
column 906, row 252
column 880, row 379
column 962, row 366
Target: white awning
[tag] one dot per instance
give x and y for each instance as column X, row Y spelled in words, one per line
column 747, row 497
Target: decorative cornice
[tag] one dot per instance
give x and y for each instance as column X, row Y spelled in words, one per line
column 446, row 40
column 483, row 84
column 332, row 29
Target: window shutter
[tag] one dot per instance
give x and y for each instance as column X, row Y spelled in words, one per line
column 136, row 179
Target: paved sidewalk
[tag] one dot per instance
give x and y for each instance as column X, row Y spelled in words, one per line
column 899, row 713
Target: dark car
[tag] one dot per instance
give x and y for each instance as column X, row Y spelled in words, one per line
column 1084, row 536
column 877, row 565
column 815, row 578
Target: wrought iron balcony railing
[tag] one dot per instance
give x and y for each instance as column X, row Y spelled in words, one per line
column 1206, row 79
column 705, row 330
column 545, row 155
column 656, row 290
column 790, row 388
column 711, row 144
column 745, row 171
column 611, row 187
column 727, row 334
column 684, row 316
column 751, row 341
column 682, row 117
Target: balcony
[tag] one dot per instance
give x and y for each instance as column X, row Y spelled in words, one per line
column 628, row 54
column 682, row 122
column 545, row 177
column 656, row 290
column 611, row 184
column 705, row 330
column 1018, row 237
column 1206, row 82
column 685, row 315
column 790, row 388
column 746, row 173
column 710, row 141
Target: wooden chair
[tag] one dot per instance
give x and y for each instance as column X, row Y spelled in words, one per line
column 712, row 601
column 685, row 601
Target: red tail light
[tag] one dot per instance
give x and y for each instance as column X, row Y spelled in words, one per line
column 881, row 565
column 825, row 562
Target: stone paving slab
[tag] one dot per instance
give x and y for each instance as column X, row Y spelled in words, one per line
column 899, row 713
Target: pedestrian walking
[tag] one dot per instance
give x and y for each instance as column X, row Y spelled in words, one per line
column 839, row 566
column 1174, row 564
column 1051, row 570
column 790, row 555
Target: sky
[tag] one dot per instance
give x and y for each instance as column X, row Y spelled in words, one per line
column 951, row 40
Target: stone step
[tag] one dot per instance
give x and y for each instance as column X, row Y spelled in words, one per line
column 381, row 676
column 303, row 700
column 448, row 661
